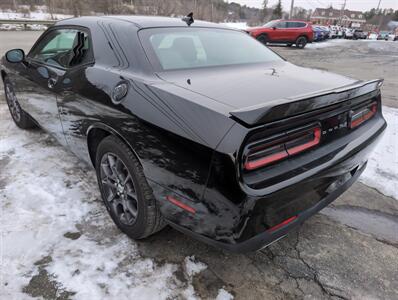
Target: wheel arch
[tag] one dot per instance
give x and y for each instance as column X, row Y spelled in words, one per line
column 3, row 74
column 303, row 35
column 97, row 132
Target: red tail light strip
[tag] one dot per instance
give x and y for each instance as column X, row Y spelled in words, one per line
column 314, row 142
column 251, row 165
column 280, row 225
column 358, row 117
column 181, row 205
column 295, row 144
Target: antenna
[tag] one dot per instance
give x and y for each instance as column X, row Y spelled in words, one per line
column 188, row 19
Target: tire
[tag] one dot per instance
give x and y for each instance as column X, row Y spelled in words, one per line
column 301, row 42
column 263, row 38
column 147, row 219
column 21, row 119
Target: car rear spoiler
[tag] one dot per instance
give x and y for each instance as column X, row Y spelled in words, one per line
column 291, row 106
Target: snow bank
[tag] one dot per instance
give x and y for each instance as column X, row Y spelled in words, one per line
column 382, row 170
column 40, row 14
column 326, row 43
column 47, row 196
column 224, row 295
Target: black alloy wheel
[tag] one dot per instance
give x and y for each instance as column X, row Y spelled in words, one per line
column 263, row 38
column 125, row 191
column 12, row 101
column 119, row 189
column 21, row 119
column 301, row 42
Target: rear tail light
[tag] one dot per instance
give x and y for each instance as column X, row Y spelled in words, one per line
column 363, row 114
column 265, row 153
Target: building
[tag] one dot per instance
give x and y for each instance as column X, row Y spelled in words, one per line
column 331, row 16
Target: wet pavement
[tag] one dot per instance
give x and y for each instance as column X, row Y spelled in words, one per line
column 348, row 251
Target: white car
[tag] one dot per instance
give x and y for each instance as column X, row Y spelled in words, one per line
column 333, row 32
column 373, row 36
column 340, row 32
column 349, row 33
column 392, row 37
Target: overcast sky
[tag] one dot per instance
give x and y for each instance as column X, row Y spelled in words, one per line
column 362, row 5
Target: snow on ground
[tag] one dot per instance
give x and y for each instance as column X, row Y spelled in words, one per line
column 39, row 14
column 326, row 43
column 51, row 211
column 382, row 169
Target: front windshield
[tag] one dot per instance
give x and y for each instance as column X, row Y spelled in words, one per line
column 271, row 24
column 186, row 48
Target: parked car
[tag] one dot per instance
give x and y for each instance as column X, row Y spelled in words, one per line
column 326, row 31
column 339, row 32
column 392, row 36
column 195, row 125
column 333, row 31
column 383, row 35
column 355, row 34
column 349, row 33
column 319, row 33
column 359, row 34
column 284, row 31
column 373, row 36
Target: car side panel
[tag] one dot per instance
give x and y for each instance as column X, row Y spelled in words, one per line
column 175, row 156
column 174, row 162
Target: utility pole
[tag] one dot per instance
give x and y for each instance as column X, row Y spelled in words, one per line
column 381, row 15
column 212, row 8
column 291, row 9
column 341, row 11
column 378, row 6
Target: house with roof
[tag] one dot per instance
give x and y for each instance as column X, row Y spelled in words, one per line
column 331, row 16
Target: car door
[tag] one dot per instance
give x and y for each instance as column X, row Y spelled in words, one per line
column 46, row 65
column 279, row 32
column 294, row 29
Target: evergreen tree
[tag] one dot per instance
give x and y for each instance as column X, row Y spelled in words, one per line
column 264, row 10
column 278, row 11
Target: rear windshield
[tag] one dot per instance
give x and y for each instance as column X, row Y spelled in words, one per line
column 188, row 48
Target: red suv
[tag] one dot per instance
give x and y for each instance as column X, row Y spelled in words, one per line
column 284, row 31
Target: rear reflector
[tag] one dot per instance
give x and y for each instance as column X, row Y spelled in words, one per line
column 280, row 225
column 181, row 205
column 292, row 144
column 363, row 114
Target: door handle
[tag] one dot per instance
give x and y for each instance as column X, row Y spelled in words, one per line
column 51, row 83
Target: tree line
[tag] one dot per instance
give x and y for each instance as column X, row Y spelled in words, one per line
column 210, row 10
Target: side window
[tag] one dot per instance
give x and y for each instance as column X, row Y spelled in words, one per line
column 63, row 48
column 281, row 25
column 296, row 25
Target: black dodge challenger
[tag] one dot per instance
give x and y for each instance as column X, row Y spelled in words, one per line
column 195, row 125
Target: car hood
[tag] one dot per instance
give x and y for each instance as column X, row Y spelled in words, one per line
column 247, row 86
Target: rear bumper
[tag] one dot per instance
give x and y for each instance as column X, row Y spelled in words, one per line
column 264, row 239
column 244, row 225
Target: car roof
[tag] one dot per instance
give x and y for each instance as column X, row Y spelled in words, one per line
column 139, row 21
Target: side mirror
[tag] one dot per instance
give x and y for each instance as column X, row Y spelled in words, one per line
column 15, row 56
column 274, row 28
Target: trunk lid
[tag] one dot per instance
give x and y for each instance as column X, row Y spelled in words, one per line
column 262, row 93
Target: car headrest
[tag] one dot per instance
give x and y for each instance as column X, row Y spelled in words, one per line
column 185, row 46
